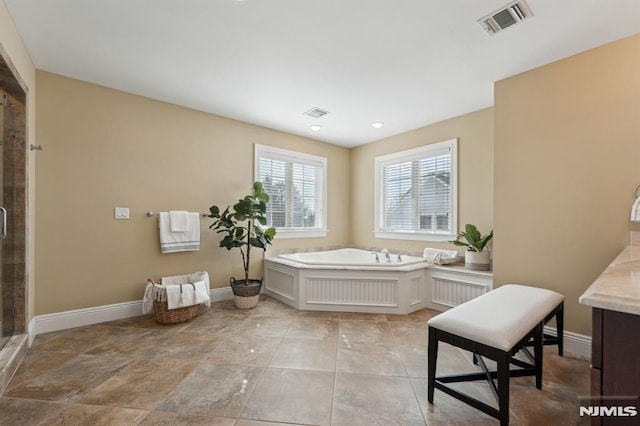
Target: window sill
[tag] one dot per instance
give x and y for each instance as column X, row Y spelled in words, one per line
column 285, row 234
column 416, row 236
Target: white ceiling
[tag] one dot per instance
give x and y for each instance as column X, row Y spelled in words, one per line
column 407, row 63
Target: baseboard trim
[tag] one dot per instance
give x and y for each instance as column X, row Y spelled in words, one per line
column 89, row 316
column 574, row 343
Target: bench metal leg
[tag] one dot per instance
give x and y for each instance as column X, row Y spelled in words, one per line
column 537, row 353
column 432, row 357
column 503, row 388
column 560, row 328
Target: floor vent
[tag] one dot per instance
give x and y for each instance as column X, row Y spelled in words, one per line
column 316, row 112
column 505, row 17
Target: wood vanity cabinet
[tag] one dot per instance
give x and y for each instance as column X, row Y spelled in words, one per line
column 615, row 364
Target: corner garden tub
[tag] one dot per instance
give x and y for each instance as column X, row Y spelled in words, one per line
column 354, row 280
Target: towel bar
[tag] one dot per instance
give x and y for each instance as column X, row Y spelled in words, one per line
column 149, row 214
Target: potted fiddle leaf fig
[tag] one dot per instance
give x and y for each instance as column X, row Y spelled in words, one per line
column 477, row 256
column 243, row 228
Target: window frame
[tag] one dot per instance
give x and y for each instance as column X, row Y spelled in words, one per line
column 413, row 154
column 321, row 187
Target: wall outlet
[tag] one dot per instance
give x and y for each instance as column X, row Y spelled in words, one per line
column 122, row 213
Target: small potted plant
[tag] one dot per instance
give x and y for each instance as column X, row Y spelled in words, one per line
column 242, row 232
column 477, row 256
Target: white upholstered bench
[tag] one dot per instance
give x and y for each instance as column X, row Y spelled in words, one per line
column 496, row 325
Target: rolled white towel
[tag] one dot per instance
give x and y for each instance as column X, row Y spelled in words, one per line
column 635, row 211
column 147, row 300
column 440, row 257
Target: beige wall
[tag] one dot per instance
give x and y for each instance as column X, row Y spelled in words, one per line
column 12, row 47
column 555, row 184
column 475, row 176
column 106, row 149
column 567, row 159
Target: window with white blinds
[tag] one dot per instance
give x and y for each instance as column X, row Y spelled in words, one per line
column 296, row 184
column 416, row 195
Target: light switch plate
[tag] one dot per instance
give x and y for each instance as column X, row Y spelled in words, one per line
column 122, row 212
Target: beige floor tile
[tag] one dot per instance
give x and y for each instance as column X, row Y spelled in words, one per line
column 148, row 321
column 213, row 390
column 239, row 349
column 273, row 308
column 313, row 328
column 370, row 358
column 186, row 345
column 414, row 358
column 166, row 418
column 408, row 332
column 305, row 354
column 265, row 326
column 131, row 342
column 36, row 363
column 78, row 340
column 18, row 412
column 114, row 373
column 419, row 316
column 375, row 400
column 358, row 316
column 217, row 323
column 364, row 331
column 446, row 410
column 71, row 380
column 78, row 414
column 243, row 422
column 142, row 384
column 318, row 314
column 291, row 396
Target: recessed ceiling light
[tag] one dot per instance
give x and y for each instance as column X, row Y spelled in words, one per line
column 316, row 128
column 377, row 124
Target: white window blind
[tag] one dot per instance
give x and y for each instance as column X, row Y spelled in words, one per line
column 416, row 193
column 296, row 184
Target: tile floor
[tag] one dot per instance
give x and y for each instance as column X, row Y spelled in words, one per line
column 266, row 366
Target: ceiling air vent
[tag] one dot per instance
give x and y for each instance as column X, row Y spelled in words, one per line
column 511, row 14
column 316, row 112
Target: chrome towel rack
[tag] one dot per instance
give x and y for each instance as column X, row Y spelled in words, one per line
column 150, row 214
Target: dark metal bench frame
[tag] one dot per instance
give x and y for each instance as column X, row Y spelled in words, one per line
column 535, row 337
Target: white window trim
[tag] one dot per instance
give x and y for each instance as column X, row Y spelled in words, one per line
column 301, row 158
column 408, row 155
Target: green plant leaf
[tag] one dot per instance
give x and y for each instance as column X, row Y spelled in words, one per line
column 472, row 233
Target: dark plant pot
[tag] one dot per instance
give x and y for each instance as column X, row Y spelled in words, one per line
column 246, row 293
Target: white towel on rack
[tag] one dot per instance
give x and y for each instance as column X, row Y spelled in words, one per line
column 635, row 211
column 187, row 294
column 188, row 240
column 179, row 221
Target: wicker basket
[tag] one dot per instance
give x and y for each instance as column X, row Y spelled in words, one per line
column 246, row 302
column 163, row 315
column 245, row 296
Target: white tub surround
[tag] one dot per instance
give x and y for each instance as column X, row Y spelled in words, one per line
column 353, row 280
column 450, row 286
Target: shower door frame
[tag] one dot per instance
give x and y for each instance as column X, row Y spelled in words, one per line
column 15, row 264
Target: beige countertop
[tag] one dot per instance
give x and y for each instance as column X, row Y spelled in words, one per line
column 618, row 287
